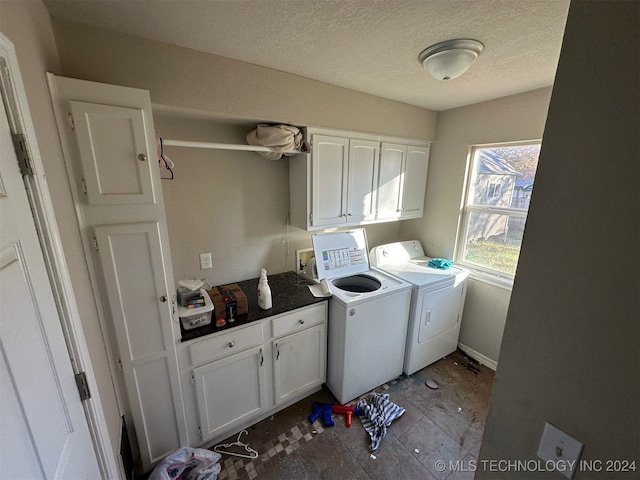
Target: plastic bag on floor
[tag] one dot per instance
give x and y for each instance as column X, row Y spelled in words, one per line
column 188, row 464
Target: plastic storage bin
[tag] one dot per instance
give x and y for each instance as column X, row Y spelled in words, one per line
column 197, row 316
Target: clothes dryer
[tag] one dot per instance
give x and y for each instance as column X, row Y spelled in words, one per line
column 437, row 301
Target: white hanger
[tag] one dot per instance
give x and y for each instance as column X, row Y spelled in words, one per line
column 220, row 448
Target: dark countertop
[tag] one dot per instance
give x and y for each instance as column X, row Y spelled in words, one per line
column 288, row 292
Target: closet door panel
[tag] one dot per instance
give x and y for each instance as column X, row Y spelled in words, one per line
column 115, row 172
column 137, row 297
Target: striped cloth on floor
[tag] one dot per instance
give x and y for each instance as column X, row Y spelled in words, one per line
column 378, row 415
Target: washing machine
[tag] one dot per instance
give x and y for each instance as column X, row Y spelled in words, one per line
column 368, row 315
column 437, row 301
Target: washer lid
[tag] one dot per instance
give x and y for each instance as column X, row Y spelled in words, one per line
column 339, row 254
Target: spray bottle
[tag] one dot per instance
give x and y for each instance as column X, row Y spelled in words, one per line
column 264, row 291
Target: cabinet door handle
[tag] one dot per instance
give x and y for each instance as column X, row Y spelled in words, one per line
column 277, row 352
column 301, row 322
column 231, row 344
column 142, row 157
column 261, row 358
column 163, row 298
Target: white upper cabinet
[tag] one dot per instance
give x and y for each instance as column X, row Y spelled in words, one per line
column 415, row 182
column 353, row 179
column 115, row 172
column 330, row 170
column 392, row 160
column 362, row 180
column 403, row 181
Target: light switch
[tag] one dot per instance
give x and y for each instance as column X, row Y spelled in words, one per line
column 560, row 448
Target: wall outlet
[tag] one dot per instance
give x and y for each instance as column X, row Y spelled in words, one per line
column 205, row 261
column 561, row 449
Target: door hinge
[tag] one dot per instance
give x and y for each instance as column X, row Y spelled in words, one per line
column 310, row 218
column 83, row 386
column 72, row 124
column 24, row 160
column 84, row 186
column 95, row 245
column 119, row 364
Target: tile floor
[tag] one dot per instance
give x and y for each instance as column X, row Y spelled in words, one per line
column 444, row 424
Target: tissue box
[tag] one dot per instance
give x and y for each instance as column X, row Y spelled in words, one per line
column 198, row 313
column 185, row 295
column 229, row 300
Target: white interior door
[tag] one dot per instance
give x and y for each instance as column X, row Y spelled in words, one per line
column 43, row 429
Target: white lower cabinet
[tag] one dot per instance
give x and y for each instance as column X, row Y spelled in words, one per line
column 299, row 359
column 230, row 390
column 235, row 384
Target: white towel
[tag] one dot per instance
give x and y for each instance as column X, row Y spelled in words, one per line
column 378, row 416
column 279, row 138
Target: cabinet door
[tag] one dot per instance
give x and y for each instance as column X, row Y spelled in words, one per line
column 299, row 362
column 329, row 158
column 114, row 172
column 414, row 182
column 109, row 147
column 230, row 391
column 362, row 181
column 130, row 256
column 392, row 159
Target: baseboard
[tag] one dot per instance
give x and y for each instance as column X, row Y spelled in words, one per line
column 492, row 364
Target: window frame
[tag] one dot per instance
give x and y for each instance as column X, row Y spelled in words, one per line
column 482, row 272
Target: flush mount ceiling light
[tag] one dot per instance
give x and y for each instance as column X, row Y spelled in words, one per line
column 451, row 58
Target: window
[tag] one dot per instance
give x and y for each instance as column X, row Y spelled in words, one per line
column 496, row 205
column 494, row 190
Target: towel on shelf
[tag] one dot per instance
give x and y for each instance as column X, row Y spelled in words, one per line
column 378, row 415
column 279, row 138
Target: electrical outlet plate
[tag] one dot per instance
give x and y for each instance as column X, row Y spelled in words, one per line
column 205, row 261
column 560, row 448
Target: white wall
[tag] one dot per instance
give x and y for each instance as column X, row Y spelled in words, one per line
column 507, row 119
column 232, row 204
column 571, row 352
column 28, row 27
column 179, row 77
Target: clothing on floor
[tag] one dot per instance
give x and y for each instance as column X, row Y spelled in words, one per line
column 378, row 415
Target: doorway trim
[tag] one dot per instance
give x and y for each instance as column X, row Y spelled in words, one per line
column 20, row 122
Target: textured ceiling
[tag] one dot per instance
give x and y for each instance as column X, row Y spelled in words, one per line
column 366, row 45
